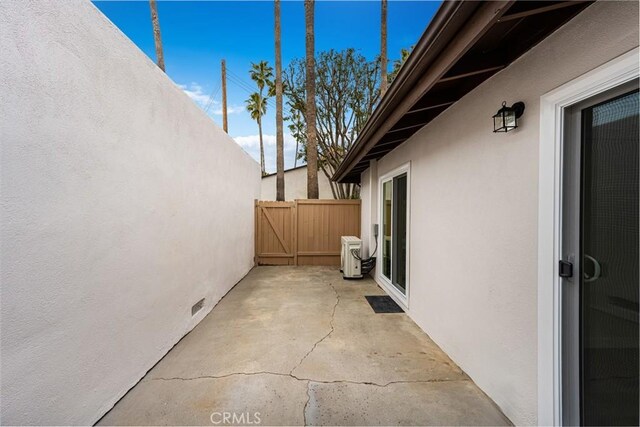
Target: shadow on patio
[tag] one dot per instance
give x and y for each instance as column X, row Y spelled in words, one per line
column 300, row 345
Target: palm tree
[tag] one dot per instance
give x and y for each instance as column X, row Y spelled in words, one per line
column 398, row 63
column 257, row 107
column 278, row 90
column 384, row 83
column 262, row 74
column 156, row 34
column 312, row 137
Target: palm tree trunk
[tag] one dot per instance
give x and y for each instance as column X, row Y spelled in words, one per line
column 383, row 49
column 261, row 147
column 156, row 34
column 279, row 131
column 312, row 142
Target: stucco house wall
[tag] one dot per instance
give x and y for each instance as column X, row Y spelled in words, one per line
column 295, row 185
column 474, row 206
column 116, row 216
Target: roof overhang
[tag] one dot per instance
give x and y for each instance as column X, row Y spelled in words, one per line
column 466, row 43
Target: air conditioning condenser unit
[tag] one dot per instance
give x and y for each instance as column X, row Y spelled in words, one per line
column 350, row 257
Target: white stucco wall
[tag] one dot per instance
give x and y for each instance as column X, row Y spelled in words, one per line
column 295, row 185
column 368, row 215
column 122, row 206
column 474, row 206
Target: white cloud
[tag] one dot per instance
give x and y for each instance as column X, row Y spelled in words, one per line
column 195, row 92
column 205, row 101
column 252, row 141
column 251, row 144
column 231, row 109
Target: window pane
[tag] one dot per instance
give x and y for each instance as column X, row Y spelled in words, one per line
column 386, row 228
column 399, row 256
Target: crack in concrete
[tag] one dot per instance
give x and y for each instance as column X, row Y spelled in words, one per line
column 304, row 409
column 310, row 380
column 333, row 315
column 435, row 380
column 217, row 377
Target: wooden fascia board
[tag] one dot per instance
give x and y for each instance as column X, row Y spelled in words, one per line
column 488, row 14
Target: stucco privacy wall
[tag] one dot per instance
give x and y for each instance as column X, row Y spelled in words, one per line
column 122, row 206
column 474, row 206
column 295, row 185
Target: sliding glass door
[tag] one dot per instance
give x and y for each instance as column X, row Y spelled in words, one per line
column 394, row 235
column 601, row 243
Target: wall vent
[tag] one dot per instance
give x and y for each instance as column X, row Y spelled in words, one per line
column 197, row 307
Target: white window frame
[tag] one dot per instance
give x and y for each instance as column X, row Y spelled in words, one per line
column 399, row 297
column 614, row 73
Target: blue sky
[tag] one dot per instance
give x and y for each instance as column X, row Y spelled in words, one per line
column 196, row 35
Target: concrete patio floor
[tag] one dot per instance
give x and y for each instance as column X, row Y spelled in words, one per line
column 300, row 345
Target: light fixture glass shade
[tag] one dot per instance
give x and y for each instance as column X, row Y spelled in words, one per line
column 510, row 121
column 506, row 118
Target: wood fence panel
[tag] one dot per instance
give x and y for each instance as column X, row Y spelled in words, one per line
column 304, row 232
column 321, row 223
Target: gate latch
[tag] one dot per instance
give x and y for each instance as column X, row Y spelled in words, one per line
column 566, row 269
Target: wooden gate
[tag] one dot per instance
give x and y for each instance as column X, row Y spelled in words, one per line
column 304, row 232
column 275, row 233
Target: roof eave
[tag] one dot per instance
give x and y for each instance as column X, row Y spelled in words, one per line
column 414, row 62
column 465, row 44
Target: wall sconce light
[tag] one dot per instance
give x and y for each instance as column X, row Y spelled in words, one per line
column 506, row 118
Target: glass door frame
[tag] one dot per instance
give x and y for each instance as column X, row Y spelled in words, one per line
column 386, row 283
column 615, row 72
column 571, row 250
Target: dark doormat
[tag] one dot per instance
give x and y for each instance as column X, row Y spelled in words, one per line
column 383, row 304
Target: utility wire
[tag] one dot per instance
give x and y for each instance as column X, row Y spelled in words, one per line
column 240, row 79
column 242, row 84
column 250, row 89
column 212, row 98
column 269, row 103
column 246, row 86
